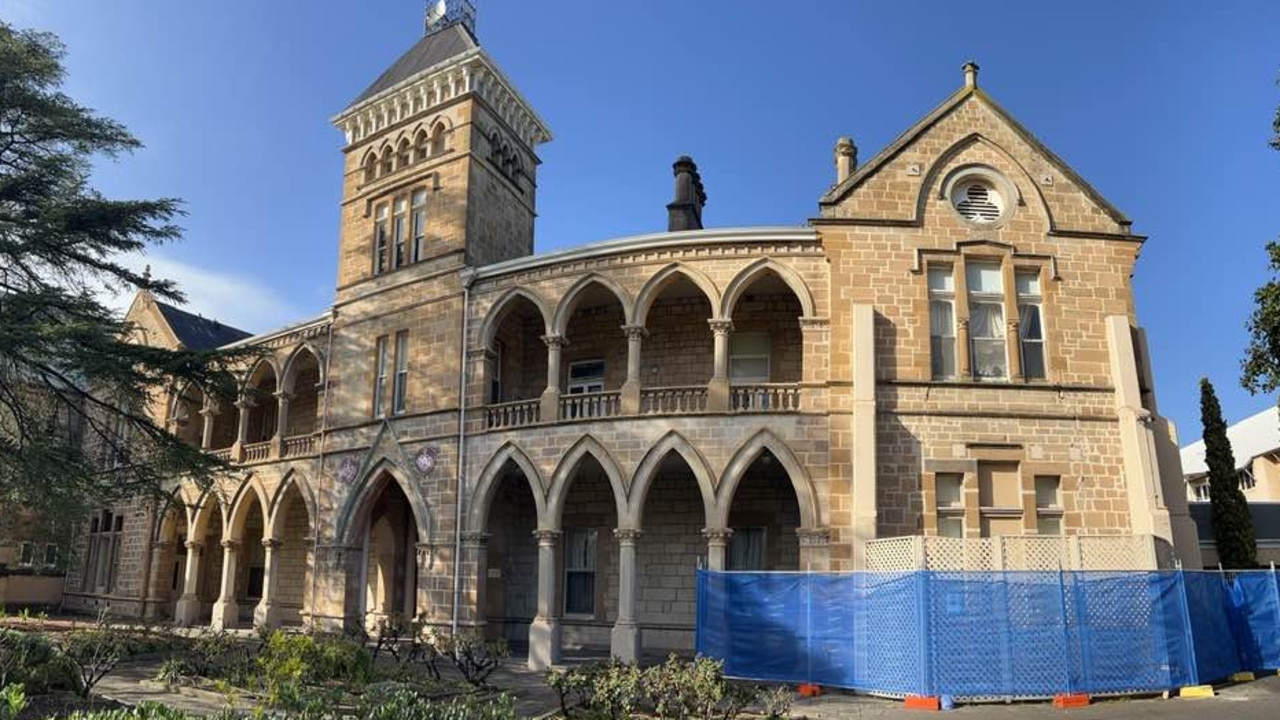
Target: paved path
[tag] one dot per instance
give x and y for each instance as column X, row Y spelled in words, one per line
column 1258, row 700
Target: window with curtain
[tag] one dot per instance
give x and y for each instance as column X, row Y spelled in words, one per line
column 986, row 320
column 1031, row 324
column 746, row 549
column 398, row 228
column 580, row 571
column 401, row 386
column 749, row 354
column 942, row 321
column 419, row 214
column 380, row 377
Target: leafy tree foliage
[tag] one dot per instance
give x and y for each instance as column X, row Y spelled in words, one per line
column 74, row 391
column 1232, row 526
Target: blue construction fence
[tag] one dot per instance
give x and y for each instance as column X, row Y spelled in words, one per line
column 990, row 634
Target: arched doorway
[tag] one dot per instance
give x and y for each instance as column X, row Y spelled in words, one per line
column 516, row 358
column 387, row 580
column 169, row 563
column 511, row 578
column 678, row 354
column 293, row 563
column 594, row 359
column 764, row 516
column 766, row 346
column 260, row 392
column 586, row 582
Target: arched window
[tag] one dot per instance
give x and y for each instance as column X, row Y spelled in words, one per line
column 370, row 167
column 419, row 212
column 421, row 146
column 388, row 162
column 402, row 154
column 438, row 139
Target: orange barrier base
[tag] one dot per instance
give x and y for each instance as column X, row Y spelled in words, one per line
column 917, row 702
column 810, row 690
column 1070, row 700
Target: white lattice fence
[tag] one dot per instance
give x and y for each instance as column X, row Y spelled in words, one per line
column 1019, row 553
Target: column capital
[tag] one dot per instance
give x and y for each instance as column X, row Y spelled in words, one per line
column 627, row 536
column 546, row 537
column 721, row 326
column 208, row 410
column 475, row 539
column 814, row 537
column 481, row 353
column 194, row 545
column 271, row 543
column 635, row 332
column 717, row 535
column 555, row 341
column 282, row 394
column 245, row 403
column 231, row 546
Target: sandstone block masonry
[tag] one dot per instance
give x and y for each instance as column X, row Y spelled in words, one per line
column 548, row 447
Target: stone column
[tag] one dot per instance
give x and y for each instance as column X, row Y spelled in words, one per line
column 544, row 632
column 815, row 553
column 631, row 388
column 282, row 422
column 551, row 395
column 718, row 389
column 1014, row 344
column 187, row 611
column 717, row 543
column 207, row 414
column 475, row 549
column 226, row 613
column 242, row 429
column 267, row 613
column 625, row 639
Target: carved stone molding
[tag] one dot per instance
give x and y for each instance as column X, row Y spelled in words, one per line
column 814, row 537
column 717, row 536
column 627, row 536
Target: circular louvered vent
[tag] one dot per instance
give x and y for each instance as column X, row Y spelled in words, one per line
column 978, row 202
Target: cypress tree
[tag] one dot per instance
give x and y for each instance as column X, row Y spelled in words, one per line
column 1232, row 525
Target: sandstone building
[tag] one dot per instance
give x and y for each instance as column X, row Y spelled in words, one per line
column 943, row 368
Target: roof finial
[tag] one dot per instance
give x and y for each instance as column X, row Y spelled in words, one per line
column 146, row 274
column 971, row 74
column 443, row 13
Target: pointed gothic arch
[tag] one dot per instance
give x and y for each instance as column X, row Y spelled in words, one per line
column 482, row 496
column 564, row 475
column 296, row 480
column 290, row 369
column 806, row 494
column 498, row 310
column 654, row 286
column 935, row 179
column 569, row 301
column 647, row 470
column 250, row 490
column 379, row 474
column 754, row 271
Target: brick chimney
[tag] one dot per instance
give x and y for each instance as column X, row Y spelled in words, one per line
column 685, row 211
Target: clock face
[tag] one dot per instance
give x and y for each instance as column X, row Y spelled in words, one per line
column 425, row 461
column 347, row 471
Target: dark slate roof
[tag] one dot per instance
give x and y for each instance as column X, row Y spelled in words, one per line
column 197, row 333
column 1266, row 520
column 430, row 51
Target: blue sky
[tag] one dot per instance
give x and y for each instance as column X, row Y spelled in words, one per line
column 1164, row 107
